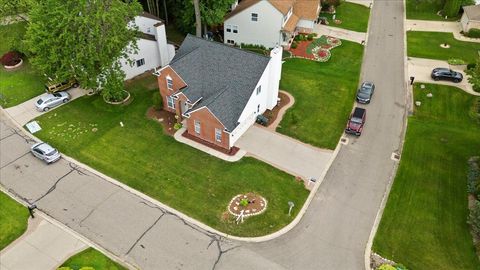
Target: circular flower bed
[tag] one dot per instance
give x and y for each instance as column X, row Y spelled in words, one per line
column 246, row 205
column 334, row 41
column 126, row 96
column 11, row 60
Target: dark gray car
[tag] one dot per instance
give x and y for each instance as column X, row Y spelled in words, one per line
column 365, row 92
column 447, row 75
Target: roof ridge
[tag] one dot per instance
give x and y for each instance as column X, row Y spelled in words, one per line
column 228, row 46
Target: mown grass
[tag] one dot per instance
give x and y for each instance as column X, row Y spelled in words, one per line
column 91, row 258
column 20, row 84
column 13, row 220
column 353, row 16
column 424, row 225
column 427, row 45
column 143, row 157
column 324, row 94
column 426, row 10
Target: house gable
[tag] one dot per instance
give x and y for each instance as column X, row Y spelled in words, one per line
column 208, row 126
column 166, row 92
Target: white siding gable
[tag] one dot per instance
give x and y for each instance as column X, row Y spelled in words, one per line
column 265, row 31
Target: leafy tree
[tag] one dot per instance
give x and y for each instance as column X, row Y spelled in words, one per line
column 83, row 39
column 474, row 218
column 16, row 8
column 475, row 76
column 452, row 7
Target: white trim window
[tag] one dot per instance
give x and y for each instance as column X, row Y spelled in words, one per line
column 231, row 41
column 254, row 17
column 259, row 90
column 235, row 29
column 218, row 135
column 140, row 62
column 170, row 102
column 169, row 82
column 228, row 28
column 197, row 125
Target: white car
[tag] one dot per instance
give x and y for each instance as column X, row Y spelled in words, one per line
column 48, row 101
column 45, row 152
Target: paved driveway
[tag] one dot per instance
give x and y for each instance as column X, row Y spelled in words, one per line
column 44, row 246
column 285, row 153
column 26, row 111
column 422, row 68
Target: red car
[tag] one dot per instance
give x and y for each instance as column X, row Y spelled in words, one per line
column 356, row 121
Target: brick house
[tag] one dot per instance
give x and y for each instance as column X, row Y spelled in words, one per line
column 216, row 90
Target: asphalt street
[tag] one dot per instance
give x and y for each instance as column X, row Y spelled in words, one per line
column 332, row 235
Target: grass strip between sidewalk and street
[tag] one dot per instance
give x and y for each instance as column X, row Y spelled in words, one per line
column 141, row 156
column 424, row 224
column 13, row 220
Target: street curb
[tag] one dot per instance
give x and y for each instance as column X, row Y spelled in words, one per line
column 409, row 106
column 205, row 227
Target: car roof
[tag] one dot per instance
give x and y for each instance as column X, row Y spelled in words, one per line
column 46, row 148
column 46, row 96
column 442, row 69
column 358, row 112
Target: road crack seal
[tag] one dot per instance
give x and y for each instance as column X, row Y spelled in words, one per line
column 145, row 232
column 52, row 188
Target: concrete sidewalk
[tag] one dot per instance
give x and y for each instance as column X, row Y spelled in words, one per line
column 26, row 111
column 44, row 246
column 421, row 69
column 438, row 26
column 367, row 3
column 340, row 33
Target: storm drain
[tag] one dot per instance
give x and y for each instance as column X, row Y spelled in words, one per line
column 344, row 141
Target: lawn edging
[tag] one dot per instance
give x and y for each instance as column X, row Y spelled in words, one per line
column 181, row 215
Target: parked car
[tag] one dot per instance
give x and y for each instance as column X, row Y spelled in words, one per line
column 356, row 121
column 45, row 152
column 48, row 101
column 365, row 92
column 447, row 75
column 53, row 87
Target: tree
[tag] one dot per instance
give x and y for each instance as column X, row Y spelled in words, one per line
column 198, row 22
column 475, row 75
column 84, row 39
column 16, row 8
column 451, row 8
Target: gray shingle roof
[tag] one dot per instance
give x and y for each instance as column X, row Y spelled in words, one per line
column 223, row 77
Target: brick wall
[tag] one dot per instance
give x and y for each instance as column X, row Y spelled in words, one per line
column 178, row 83
column 208, row 123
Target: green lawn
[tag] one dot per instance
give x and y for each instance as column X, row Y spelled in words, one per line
column 426, row 10
column 91, row 258
column 353, row 16
column 427, row 45
column 23, row 83
column 141, row 156
column 13, row 220
column 324, row 94
column 424, row 223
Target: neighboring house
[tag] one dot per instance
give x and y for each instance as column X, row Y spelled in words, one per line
column 470, row 18
column 153, row 50
column 219, row 90
column 269, row 22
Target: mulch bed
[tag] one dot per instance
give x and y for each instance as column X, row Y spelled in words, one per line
column 301, row 50
column 273, row 114
column 166, row 119
column 230, row 152
column 255, row 206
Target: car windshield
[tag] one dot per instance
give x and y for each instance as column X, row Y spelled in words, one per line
column 57, row 95
column 40, row 101
column 357, row 120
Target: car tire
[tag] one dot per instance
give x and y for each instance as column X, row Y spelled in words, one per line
column 456, row 81
column 436, row 78
column 75, row 85
column 66, row 100
column 46, row 109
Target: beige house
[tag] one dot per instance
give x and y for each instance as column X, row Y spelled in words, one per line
column 470, row 18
